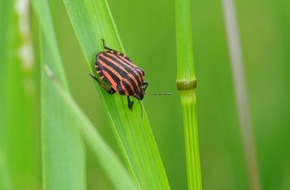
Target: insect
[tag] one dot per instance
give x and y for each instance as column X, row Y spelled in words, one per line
column 117, row 70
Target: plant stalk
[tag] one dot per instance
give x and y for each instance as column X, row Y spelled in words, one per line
column 241, row 94
column 186, row 85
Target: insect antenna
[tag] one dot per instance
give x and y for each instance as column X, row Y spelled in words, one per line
column 159, row 94
column 153, row 94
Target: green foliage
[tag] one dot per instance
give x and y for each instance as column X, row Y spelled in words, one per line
column 92, row 21
column 17, row 133
column 62, row 148
column 148, row 34
column 79, row 122
column 62, row 120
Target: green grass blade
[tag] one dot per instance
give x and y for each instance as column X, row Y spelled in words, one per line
column 186, row 84
column 92, row 21
column 108, row 160
column 17, row 143
column 41, row 9
column 62, row 145
column 5, row 14
column 63, row 149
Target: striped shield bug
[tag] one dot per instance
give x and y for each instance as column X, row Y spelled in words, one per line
column 117, row 71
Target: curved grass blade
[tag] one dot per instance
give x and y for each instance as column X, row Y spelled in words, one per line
column 63, row 149
column 108, row 160
column 60, row 111
column 92, row 21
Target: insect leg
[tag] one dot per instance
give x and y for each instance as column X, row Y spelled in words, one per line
column 105, row 47
column 110, row 91
column 144, row 85
column 130, row 103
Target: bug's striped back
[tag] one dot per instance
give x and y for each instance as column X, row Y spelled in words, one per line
column 120, row 73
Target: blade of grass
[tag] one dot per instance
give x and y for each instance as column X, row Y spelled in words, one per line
column 67, row 117
column 17, row 158
column 6, row 49
column 41, row 10
column 186, row 85
column 92, row 21
column 241, row 94
column 63, row 149
column 108, row 160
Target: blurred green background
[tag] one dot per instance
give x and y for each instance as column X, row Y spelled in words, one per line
column 147, row 31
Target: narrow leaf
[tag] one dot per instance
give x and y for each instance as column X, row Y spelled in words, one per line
column 17, row 132
column 108, row 160
column 63, row 149
column 92, row 21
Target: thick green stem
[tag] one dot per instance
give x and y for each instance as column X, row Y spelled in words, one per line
column 188, row 101
column 186, row 84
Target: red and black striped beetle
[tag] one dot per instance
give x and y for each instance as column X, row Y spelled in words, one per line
column 118, row 71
